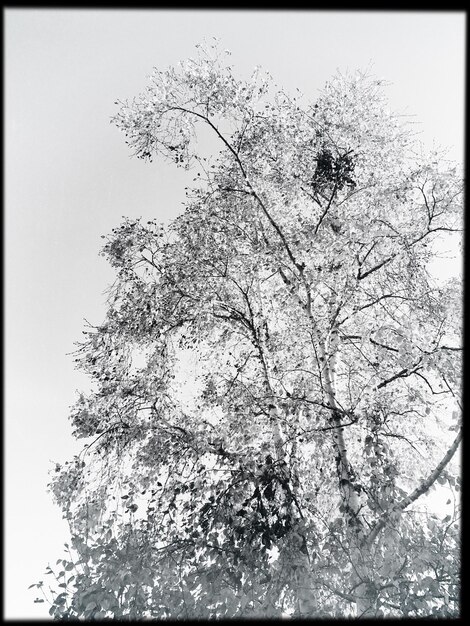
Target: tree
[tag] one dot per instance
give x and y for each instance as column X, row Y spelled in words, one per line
column 277, row 380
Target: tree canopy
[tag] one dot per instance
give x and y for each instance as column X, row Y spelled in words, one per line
column 276, row 384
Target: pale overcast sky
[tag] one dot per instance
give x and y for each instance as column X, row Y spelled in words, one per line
column 69, row 179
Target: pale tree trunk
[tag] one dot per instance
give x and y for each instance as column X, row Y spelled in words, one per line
column 327, row 358
column 364, row 592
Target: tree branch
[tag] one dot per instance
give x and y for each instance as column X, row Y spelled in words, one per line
column 376, row 267
column 423, row 487
column 298, row 265
column 404, row 373
column 326, row 210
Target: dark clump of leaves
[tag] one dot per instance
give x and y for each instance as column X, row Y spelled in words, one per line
column 333, row 171
column 267, row 514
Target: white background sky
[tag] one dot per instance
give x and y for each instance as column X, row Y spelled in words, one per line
column 69, row 179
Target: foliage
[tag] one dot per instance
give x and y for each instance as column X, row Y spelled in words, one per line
column 276, row 382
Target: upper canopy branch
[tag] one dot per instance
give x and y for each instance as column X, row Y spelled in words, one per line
column 205, row 118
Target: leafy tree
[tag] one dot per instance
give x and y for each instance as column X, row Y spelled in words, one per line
column 276, row 383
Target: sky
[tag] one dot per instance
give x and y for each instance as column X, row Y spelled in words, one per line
column 69, row 179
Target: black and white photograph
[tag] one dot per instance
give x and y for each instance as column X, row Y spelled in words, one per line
column 233, row 313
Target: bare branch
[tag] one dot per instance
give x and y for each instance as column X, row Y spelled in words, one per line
column 382, row 345
column 404, row 373
column 423, row 488
column 327, row 208
column 361, row 276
